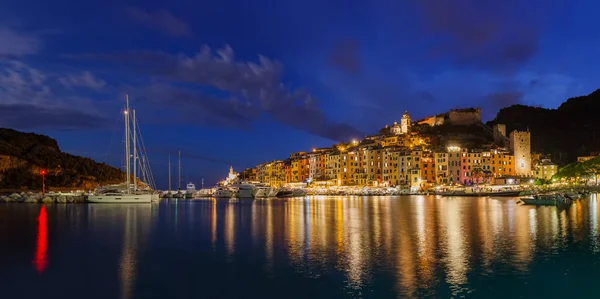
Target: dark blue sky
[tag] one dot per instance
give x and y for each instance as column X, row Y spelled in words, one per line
column 242, row 82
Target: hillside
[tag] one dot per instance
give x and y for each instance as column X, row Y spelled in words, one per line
column 23, row 155
column 569, row 131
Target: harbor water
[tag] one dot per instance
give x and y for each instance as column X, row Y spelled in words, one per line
column 313, row 247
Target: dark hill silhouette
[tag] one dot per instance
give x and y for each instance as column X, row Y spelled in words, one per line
column 23, row 155
column 567, row 132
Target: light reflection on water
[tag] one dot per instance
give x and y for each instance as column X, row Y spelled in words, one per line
column 418, row 246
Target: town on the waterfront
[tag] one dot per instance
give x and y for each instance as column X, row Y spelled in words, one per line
column 439, row 153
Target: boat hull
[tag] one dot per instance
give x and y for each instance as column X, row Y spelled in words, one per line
column 273, row 193
column 246, row 193
column 224, row 194
column 125, row 198
column 262, row 192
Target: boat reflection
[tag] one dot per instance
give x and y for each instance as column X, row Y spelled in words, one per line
column 136, row 220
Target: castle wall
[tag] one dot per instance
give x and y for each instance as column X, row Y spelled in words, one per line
column 500, row 134
column 460, row 117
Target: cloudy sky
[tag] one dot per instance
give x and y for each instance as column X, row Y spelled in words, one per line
column 235, row 82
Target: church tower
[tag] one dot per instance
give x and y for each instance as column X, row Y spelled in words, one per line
column 405, row 123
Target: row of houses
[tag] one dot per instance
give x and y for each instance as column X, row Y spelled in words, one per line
column 376, row 165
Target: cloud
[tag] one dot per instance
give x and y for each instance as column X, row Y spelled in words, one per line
column 345, row 56
column 27, row 116
column 29, row 99
column 161, row 20
column 494, row 35
column 252, row 89
column 84, row 79
column 13, row 43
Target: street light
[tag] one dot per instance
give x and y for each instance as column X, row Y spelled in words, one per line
column 43, row 173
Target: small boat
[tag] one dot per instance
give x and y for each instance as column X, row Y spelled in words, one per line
column 573, row 195
column 546, row 200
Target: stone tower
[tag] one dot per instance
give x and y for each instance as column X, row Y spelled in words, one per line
column 405, row 123
column 520, row 145
column 500, row 134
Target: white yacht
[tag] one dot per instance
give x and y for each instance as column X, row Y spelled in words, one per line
column 120, row 197
column 244, row 190
column 263, row 190
column 190, row 190
column 224, row 193
column 131, row 193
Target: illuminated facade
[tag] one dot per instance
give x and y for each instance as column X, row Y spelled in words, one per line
column 545, row 169
column 391, row 159
column 399, row 157
column 442, row 175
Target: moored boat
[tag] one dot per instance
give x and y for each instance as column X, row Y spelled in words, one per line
column 190, row 190
column 119, row 197
column 285, row 193
column 546, row 199
column 224, row 193
column 244, row 190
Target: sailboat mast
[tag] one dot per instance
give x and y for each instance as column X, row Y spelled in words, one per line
column 179, row 166
column 127, row 151
column 135, row 157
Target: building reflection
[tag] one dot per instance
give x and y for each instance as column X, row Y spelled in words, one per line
column 593, row 210
column 41, row 249
column 412, row 238
column 229, row 227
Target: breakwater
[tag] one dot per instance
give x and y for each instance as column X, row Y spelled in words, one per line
column 30, row 197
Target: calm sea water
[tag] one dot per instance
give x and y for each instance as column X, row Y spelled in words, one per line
column 318, row 247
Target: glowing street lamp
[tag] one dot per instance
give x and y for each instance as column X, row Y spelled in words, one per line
column 43, row 173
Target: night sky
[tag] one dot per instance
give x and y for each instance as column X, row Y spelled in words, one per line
column 235, row 82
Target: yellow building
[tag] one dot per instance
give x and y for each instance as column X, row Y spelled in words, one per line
column 545, row 169
column 442, row 175
column 333, row 161
column 391, row 159
column 428, row 168
column 349, row 164
column 502, row 163
column 271, row 173
column 372, row 164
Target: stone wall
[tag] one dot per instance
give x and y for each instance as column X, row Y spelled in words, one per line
column 464, row 117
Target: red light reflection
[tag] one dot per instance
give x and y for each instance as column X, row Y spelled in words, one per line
column 41, row 260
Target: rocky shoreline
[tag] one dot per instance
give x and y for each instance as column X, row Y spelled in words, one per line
column 31, row 197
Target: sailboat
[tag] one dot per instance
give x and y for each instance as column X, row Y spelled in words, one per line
column 128, row 195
